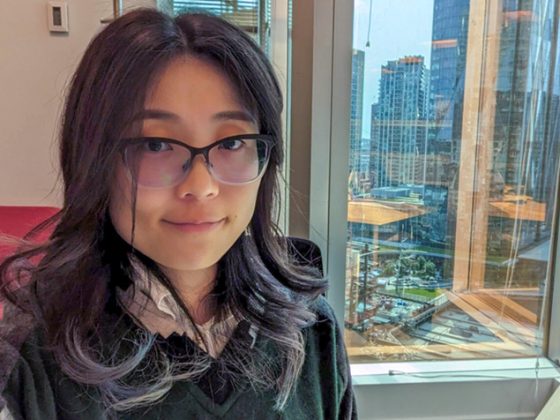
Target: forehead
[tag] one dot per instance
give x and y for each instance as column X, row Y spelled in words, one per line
column 193, row 98
column 192, row 83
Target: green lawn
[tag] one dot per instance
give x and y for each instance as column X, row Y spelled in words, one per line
column 423, row 292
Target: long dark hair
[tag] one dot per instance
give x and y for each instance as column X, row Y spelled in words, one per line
column 69, row 288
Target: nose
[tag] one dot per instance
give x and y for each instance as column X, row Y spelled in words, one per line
column 198, row 183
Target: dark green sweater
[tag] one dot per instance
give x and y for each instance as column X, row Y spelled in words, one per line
column 34, row 387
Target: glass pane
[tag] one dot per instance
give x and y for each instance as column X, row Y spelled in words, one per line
column 253, row 16
column 453, row 173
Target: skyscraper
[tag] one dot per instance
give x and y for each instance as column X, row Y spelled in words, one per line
column 399, row 123
column 356, row 108
column 447, row 74
column 521, row 131
column 450, row 26
column 524, row 135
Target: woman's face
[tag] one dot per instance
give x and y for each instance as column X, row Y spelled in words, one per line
column 190, row 226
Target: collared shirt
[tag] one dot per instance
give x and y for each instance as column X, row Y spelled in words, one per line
column 151, row 303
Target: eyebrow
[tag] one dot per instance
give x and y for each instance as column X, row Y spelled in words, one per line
column 155, row 114
column 234, row 115
column 158, row 114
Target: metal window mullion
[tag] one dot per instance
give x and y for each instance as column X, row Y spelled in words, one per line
column 552, row 332
column 279, row 39
column 332, row 74
column 340, row 142
column 552, row 295
column 321, row 127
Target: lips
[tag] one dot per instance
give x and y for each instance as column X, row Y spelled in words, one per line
column 194, row 222
column 195, row 225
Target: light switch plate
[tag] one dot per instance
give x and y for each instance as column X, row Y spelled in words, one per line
column 58, row 16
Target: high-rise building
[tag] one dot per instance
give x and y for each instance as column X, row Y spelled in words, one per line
column 356, row 98
column 513, row 92
column 524, row 138
column 399, row 123
column 447, row 74
column 447, row 87
column 521, row 169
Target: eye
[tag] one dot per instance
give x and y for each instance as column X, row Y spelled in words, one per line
column 233, row 144
column 157, row 146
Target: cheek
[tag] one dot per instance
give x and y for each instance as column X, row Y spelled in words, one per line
column 243, row 204
column 149, row 208
column 120, row 207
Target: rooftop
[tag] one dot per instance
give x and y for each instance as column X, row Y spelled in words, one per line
column 379, row 213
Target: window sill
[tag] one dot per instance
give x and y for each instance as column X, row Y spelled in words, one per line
column 474, row 389
column 453, row 371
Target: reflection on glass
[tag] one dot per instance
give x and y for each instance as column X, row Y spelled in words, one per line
column 253, row 16
column 453, row 172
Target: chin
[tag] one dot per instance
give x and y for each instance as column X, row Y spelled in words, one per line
column 187, row 263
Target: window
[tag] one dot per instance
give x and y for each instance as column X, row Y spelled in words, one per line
column 450, row 183
column 253, row 16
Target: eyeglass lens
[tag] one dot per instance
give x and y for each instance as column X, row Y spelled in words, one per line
column 156, row 163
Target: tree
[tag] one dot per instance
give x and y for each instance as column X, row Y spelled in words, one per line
column 388, row 269
column 430, row 269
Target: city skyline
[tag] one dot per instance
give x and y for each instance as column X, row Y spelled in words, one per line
column 448, row 204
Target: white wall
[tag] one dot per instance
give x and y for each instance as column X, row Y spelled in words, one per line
column 35, row 67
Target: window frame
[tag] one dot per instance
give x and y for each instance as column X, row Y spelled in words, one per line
column 332, row 49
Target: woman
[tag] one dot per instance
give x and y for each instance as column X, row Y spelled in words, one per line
column 166, row 290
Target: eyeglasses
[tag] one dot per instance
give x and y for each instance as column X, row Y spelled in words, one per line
column 157, row 162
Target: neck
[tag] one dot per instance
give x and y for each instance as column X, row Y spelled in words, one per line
column 194, row 289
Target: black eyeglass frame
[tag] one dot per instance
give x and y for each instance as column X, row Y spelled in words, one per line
column 204, row 151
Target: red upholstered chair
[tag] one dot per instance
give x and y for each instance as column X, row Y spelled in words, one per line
column 18, row 221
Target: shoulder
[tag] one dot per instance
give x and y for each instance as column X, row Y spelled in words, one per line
column 323, row 311
column 16, row 328
column 325, row 332
column 18, row 341
column 326, row 371
column 325, row 341
column 33, row 385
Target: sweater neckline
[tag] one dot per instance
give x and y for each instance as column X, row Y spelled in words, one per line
column 209, row 404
